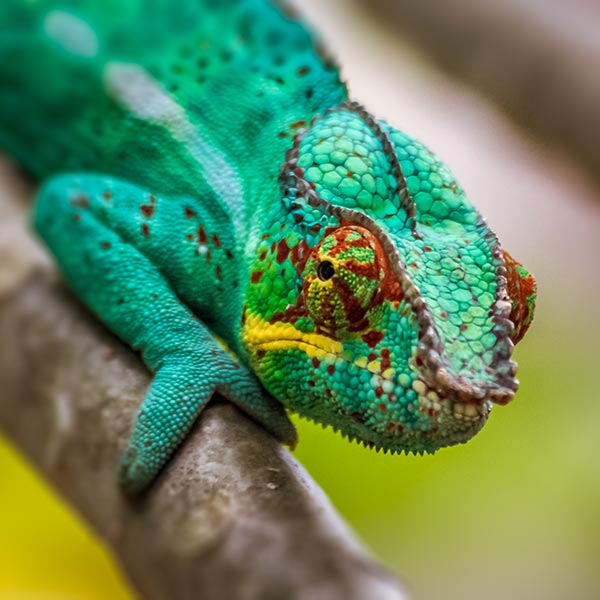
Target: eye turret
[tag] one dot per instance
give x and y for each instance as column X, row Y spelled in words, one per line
column 342, row 279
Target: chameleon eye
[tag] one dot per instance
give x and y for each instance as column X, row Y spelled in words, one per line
column 325, row 270
column 342, row 279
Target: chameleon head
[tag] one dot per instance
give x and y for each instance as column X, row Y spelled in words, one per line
column 380, row 302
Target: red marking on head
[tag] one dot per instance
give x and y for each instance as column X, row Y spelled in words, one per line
column 145, row 230
column 147, row 210
column 371, row 356
column 283, row 251
column 189, row 212
column 315, row 362
column 256, row 276
column 201, row 233
column 372, row 338
column 378, row 392
column 299, row 255
column 262, row 255
column 462, row 327
column 330, row 369
column 298, row 124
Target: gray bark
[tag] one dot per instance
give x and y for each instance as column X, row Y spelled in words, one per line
column 537, row 59
column 232, row 516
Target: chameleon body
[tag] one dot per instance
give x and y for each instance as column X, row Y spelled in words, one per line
column 212, row 195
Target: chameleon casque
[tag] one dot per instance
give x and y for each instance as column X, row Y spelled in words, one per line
column 212, row 195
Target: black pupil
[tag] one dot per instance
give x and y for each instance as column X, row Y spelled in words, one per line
column 325, row 270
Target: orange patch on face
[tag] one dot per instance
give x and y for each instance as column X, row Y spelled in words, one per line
column 521, row 288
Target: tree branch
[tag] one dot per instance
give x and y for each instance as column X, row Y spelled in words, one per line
column 232, row 516
column 539, row 61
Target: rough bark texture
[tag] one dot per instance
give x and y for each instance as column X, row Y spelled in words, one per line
column 539, row 60
column 232, row 516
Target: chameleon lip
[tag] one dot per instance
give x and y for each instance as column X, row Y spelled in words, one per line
column 434, row 372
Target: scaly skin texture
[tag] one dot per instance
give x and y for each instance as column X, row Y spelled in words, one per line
column 214, row 198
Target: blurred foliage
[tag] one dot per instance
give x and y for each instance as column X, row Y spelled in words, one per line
column 516, row 511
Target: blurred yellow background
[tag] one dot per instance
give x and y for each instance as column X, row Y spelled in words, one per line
column 515, row 513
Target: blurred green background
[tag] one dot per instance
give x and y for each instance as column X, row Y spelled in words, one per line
column 515, row 513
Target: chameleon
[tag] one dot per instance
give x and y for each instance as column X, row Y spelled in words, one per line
column 212, row 194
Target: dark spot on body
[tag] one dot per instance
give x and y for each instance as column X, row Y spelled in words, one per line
column 302, row 71
column 189, row 237
column 80, row 201
column 315, row 362
column 229, row 254
column 107, row 196
column 216, row 240
column 105, row 245
column 145, row 230
column 201, row 233
column 147, row 210
column 298, row 124
column 330, row 369
column 256, row 276
column 189, row 212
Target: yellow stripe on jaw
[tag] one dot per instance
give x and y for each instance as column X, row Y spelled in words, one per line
column 284, row 336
